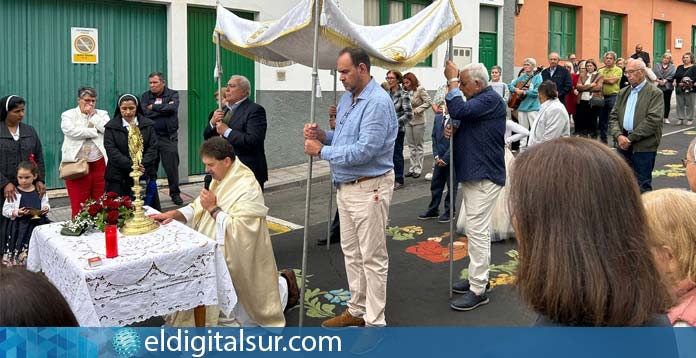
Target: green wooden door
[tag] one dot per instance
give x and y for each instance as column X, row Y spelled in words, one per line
column 36, row 62
column 659, row 40
column 561, row 30
column 201, row 84
column 488, row 49
column 693, row 39
column 609, row 34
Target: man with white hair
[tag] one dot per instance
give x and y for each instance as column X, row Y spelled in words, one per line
column 635, row 122
column 243, row 123
column 479, row 147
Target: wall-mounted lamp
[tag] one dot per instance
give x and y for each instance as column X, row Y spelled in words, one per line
column 518, row 6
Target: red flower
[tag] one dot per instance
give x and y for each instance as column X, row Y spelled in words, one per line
column 112, row 205
column 94, row 209
column 111, row 195
column 126, row 201
column 112, row 217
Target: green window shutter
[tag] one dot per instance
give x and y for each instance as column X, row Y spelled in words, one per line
column 610, row 34
column 693, row 39
column 659, row 40
column 561, row 30
column 132, row 40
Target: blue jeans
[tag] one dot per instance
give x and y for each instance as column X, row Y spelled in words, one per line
column 437, row 186
column 642, row 164
column 609, row 102
column 399, row 157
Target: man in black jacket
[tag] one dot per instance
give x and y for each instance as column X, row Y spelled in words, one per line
column 161, row 104
column 243, row 123
column 559, row 75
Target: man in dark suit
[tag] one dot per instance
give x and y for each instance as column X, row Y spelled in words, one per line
column 243, row 123
column 635, row 122
column 642, row 55
column 559, row 75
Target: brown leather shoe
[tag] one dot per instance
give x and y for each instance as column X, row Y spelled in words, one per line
column 293, row 289
column 344, row 320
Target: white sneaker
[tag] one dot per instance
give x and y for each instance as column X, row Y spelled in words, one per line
column 689, row 123
column 678, row 122
column 429, row 176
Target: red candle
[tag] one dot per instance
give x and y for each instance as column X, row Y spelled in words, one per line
column 111, row 241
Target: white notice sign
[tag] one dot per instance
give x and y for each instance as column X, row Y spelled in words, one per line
column 84, row 43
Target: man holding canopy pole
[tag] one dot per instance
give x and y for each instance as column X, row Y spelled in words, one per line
column 479, row 164
column 360, row 152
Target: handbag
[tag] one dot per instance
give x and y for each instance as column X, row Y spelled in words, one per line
column 73, row 170
column 596, row 101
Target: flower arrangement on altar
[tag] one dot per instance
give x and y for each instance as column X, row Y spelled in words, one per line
column 110, row 209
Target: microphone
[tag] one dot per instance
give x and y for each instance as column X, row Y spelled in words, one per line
column 206, row 181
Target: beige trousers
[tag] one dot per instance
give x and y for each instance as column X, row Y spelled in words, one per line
column 478, row 199
column 363, row 209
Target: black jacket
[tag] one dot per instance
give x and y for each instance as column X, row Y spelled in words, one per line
column 248, row 134
column 561, row 77
column 12, row 152
column 119, row 166
column 165, row 114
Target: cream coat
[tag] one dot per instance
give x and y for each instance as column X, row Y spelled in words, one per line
column 74, row 123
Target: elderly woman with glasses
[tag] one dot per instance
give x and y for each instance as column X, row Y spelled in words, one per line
column 404, row 113
column 528, row 111
column 83, row 131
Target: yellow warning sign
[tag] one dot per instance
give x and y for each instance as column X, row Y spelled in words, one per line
column 84, row 45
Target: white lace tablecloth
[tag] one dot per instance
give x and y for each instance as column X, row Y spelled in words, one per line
column 172, row 269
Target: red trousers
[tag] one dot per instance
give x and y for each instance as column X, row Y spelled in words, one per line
column 89, row 186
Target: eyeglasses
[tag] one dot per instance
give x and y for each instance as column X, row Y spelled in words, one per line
column 526, row 64
column 390, row 78
column 89, row 100
column 686, row 161
column 630, row 72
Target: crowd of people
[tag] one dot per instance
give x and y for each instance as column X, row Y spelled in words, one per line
column 595, row 249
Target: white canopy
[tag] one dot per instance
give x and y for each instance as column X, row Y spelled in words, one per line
column 289, row 39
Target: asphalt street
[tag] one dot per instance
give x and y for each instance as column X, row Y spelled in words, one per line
column 419, row 266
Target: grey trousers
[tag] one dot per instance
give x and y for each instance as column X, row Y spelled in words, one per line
column 414, row 140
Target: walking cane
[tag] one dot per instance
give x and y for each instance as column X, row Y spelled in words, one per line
column 308, row 197
column 450, row 49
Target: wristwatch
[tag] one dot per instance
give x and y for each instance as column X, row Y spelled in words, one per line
column 214, row 211
column 452, row 80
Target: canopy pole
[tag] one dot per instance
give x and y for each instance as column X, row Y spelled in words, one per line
column 312, row 119
column 331, row 187
column 452, row 184
column 218, row 69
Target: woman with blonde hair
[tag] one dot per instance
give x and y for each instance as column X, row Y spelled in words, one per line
column 670, row 216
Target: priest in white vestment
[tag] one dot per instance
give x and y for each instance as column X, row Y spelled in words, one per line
column 233, row 213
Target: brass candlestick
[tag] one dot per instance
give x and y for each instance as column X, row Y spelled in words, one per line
column 139, row 224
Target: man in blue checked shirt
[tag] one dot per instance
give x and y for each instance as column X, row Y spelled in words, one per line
column 636, row 123
column 360, row 152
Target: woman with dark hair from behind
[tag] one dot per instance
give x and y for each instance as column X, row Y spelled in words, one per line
column 552, row 120
column 584, row 241
column 27, row 299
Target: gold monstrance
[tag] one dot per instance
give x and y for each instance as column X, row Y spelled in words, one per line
column 139, row 224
